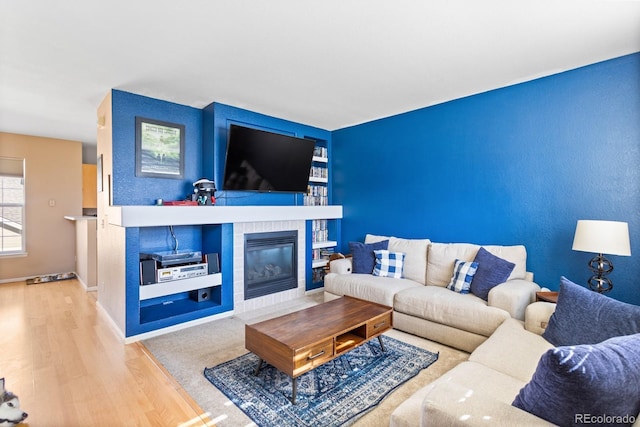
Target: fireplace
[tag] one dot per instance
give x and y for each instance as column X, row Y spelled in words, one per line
column 270, row 263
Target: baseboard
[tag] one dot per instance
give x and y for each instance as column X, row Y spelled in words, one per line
column 110, row 321
column 84, row 285
column 314, row 291
column 24, row 279
column 178, row 327
column 17, row 279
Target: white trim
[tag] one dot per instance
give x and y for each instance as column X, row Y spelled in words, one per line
column 178, row 327
column 17, row 279
column 150, row 216
column 84, row 285
column 14, row 254
column 111, row 322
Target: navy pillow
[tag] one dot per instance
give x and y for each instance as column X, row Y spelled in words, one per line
column 587, row 317
column 363, row 257
column 492, row 271
column 572, row 383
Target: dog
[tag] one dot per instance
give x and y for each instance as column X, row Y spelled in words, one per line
column 10, row 412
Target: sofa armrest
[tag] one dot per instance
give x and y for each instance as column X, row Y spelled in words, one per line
column 450, row 404
column 341, row 266
column 514, row 296
column 537, row 316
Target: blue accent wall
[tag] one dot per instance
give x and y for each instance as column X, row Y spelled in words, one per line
column 128, row 189
column 217, row 119
column 517, row 165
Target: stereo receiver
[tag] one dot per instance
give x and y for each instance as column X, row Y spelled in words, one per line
column 182, row 272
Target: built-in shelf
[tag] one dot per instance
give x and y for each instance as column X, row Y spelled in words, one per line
column 320, row 159
column 176, row 286
column 325, row 244
column 154, row 216
column 319, row 263
column 318, row 179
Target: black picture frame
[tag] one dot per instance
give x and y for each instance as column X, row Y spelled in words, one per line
column 159, row 149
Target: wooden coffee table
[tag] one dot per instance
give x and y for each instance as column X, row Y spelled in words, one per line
column 301, row 341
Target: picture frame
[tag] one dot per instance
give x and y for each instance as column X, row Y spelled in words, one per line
column 159, row 149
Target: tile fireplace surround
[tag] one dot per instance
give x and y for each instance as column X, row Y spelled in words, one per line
column 239, row 230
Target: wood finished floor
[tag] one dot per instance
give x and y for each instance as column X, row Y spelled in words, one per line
column 60, row 355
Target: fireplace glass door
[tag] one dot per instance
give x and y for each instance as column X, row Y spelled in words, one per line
column 270, row 263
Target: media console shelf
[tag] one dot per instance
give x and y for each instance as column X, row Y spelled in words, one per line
column 176, row 286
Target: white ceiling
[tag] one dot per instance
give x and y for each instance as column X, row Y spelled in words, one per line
column 327, row 63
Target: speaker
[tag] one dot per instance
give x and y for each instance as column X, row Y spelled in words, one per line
column 213, row 262
column 200, row 295
column 147, row 271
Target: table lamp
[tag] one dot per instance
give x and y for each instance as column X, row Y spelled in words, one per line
column 602, row 237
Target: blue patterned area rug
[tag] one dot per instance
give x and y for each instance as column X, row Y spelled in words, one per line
column 334, row 394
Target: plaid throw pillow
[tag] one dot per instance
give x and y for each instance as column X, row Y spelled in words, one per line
column 388, row 264
column 463, row 272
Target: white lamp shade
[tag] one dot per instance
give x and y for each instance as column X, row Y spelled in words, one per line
column 602, row 237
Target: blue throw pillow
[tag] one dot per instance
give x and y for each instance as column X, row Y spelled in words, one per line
column 492, row 271
column 587, row 317
column 586, row 384
column 363, row 258
column 463, row 274
column 388, row 264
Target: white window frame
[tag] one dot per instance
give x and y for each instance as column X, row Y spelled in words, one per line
column 12, row 168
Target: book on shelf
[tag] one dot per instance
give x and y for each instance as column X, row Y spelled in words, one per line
column 321, row 253
column 317, row 195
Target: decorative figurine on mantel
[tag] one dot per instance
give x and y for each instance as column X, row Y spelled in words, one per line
column 205, row 191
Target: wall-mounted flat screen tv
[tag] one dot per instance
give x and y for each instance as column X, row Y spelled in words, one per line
column 258, row 160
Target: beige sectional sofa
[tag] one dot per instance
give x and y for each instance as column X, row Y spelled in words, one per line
column 422, row 303
column 590, row 375
column 481, row 390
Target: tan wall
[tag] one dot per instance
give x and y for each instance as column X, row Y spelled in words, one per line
column 53, row 169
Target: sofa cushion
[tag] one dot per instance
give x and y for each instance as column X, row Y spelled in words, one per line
column 442, row 256
column 363, row 258
column 599, row 380
column 415, row 258
column 367, row 286
column 450, row 404
column 463, row 273
column 586, row 317
column 453, row 395
column 512, row 350
column 388, row 264
column 492, row 271
column 466, row 312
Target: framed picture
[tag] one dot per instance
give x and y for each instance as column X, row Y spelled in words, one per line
column 159, row 149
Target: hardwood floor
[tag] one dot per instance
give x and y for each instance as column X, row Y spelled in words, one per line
column 60, row 355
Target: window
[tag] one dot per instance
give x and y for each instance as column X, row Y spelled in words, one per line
column 12, row 239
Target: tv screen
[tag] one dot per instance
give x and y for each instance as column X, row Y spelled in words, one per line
column 264, row 161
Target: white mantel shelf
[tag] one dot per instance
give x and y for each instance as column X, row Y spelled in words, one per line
column 154, row 216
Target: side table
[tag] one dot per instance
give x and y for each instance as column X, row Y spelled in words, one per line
column 547, row 296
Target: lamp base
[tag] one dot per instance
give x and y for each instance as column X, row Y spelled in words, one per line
column 601, row 267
